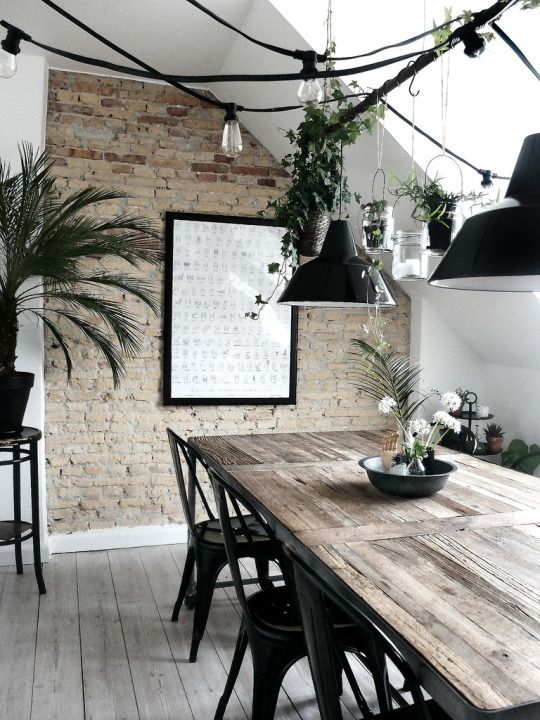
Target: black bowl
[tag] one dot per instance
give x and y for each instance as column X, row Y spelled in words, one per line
column 395, row 482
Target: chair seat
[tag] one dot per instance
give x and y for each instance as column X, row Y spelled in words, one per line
column 275, row 608
column 210, row 530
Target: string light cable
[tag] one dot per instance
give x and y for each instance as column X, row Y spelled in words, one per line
column 512, row 45
column 423, row 58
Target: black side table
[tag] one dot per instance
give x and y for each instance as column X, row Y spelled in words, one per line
column 16, row 531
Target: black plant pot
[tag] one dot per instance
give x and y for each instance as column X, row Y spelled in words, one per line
column 440, row 232
column 14, row 394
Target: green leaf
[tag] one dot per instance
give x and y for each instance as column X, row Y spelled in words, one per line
column 43, row 235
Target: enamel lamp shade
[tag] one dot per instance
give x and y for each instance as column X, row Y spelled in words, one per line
column 337, row 277
column 499, row 249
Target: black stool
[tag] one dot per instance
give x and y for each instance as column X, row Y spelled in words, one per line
column 16, row 531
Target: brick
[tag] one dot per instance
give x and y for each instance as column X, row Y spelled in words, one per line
column 176, row 111
column 155, row 120
column 249, row 170
column 208, row 167
column 129, row 158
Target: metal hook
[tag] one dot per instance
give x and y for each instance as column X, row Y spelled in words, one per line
column 411, row 93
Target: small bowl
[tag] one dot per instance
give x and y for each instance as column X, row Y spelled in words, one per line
column 395, row 482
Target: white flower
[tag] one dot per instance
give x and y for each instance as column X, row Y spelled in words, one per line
column 420, row 427
column 449, row 422
column 386, row 405
column 365, row 328
column 450, row 401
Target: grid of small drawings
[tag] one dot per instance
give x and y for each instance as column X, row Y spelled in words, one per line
column 216, row 351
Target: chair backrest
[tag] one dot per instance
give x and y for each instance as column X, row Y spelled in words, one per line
column 180, row 449
column 317, row 584
column 236, row 531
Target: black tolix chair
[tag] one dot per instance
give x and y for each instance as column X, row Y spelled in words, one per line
column 324, row 644
column 270, row 621
column 206, row 550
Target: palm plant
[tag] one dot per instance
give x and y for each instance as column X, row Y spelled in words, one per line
column 383, row 373
column 45, row 245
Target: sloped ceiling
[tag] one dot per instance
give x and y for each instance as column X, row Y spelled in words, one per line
column 493, row 103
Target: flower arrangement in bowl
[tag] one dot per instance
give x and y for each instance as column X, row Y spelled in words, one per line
column 420, row 437
column 390, row 379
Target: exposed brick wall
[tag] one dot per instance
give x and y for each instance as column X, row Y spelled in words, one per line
column 108, row 459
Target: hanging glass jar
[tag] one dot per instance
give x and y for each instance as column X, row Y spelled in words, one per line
column 377, row 226
column 409, row 261
column 377, row 219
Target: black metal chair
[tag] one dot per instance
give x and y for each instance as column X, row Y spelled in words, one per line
column 271, row 623
column 206, row 550
column 324, row 644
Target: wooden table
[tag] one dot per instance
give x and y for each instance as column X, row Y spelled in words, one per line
column 453, row 579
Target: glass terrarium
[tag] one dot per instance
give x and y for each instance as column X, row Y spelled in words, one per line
column 410, row 260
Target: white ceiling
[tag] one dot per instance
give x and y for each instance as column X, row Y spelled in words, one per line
column 171, row 35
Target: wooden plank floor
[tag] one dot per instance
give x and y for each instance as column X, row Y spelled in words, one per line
column 100, row 645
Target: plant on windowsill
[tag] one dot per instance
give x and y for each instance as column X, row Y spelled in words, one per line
column 46, row 243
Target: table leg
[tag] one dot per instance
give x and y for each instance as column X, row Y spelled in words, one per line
column 320, row 647
column 36, row 539
column 17, row 505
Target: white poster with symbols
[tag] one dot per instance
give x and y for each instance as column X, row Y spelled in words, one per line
column 214, row 354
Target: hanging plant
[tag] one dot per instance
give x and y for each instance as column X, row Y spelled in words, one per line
column 318, row 185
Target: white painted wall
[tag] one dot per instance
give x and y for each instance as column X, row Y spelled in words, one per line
column 22, row 118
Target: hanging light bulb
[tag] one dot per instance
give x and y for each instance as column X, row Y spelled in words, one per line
column 310, row 91
column 231, row 141
column 9, row 49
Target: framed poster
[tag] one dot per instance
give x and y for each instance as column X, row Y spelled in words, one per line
column 213, row 353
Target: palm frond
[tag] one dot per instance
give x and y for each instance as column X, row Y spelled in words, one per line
column 381, row 373
column 43, row 235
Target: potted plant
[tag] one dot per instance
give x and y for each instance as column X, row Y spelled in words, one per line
column 46, row 271
column 434, row 206
column 494, row 437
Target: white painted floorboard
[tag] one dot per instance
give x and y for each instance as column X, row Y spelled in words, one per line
column 100, row 645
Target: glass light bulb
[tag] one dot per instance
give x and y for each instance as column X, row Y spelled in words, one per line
column 231, row 142
column 8, row 64
column 310, row 92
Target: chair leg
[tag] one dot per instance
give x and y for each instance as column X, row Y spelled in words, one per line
column 380, row 677
column 262, row 566
column 186, row 577
column 207, row 572
column 269, row 666
column 239, row 652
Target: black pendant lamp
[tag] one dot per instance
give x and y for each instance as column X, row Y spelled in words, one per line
column 337, row 277
column 499, row 249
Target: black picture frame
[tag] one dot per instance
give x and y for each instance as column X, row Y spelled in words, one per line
column 173, row 295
